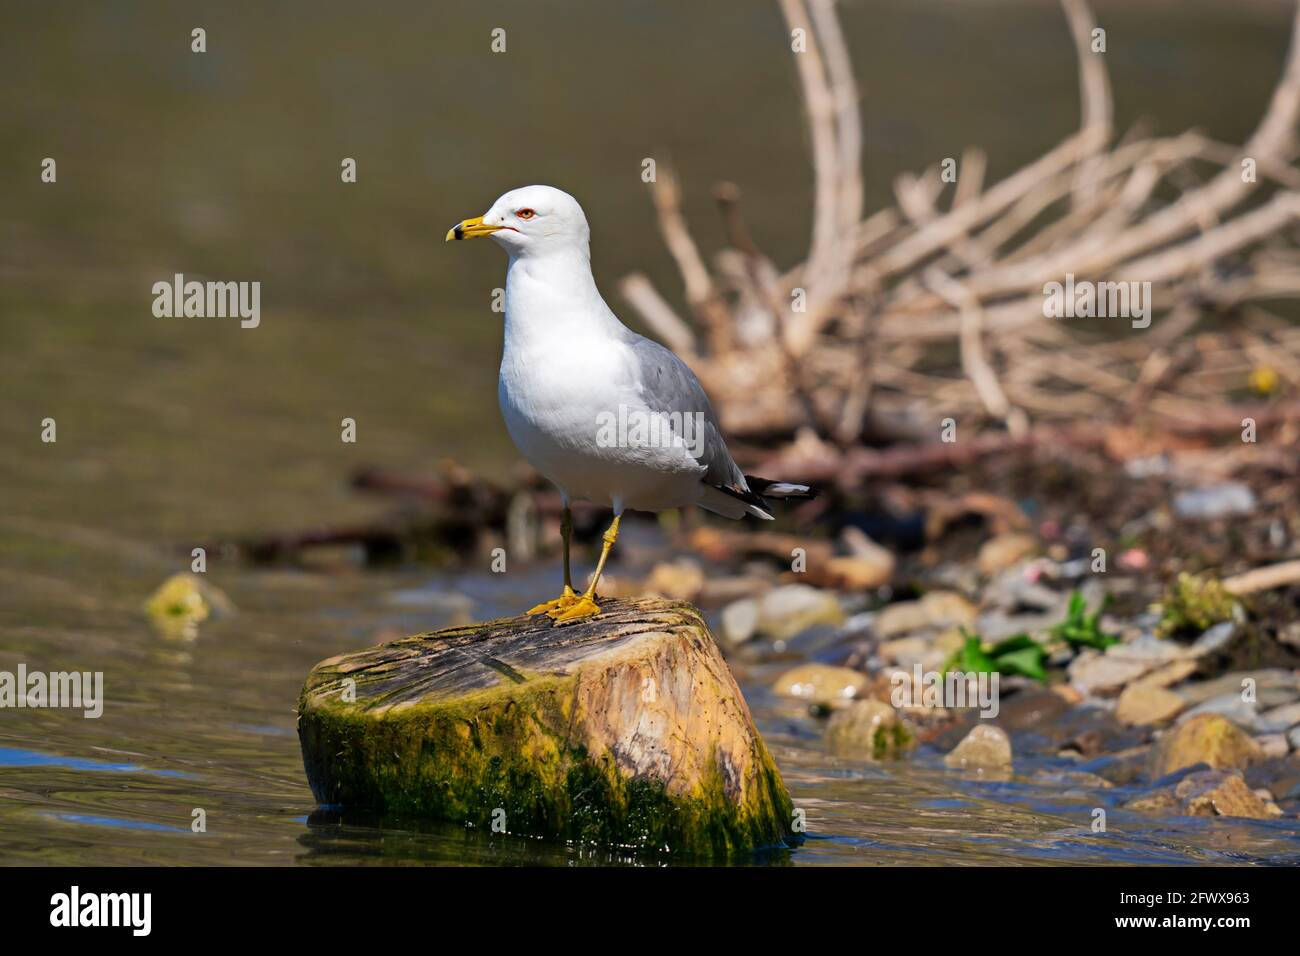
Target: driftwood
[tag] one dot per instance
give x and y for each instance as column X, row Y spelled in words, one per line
column 1264, row 579
column 626, row 729
column 902, row 317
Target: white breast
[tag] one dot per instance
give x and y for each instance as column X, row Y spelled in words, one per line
column 565, row 368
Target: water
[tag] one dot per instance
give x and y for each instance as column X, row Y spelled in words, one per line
column 173, row 434
column 209, row 725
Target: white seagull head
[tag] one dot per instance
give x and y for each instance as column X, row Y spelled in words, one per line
column 530, row 221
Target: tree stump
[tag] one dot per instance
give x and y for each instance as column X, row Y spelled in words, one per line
column 626, row 729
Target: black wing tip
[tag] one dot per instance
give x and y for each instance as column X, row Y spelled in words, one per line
column 748, row 497
column 759, row 487
column 781, row 489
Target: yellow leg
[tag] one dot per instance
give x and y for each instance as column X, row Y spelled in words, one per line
column 568, row 597
column 586, row 605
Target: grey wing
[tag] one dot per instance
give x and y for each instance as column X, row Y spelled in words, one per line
column 668, row 385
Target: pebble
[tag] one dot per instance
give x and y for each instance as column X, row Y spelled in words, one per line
column 1170, row 674
column 1270, row 679
column 1273, row 745
column 1013, row 591
column 1213, row 793
column 906, row 651
column 942, row 609
column 1241, row 712
column 869, row 727
column 1093, row 673
column 739, row 622
column 861, row 572
column 1005, row 551
column 1206, row 738
column 789, row 609
column 1068, row 781
column 680, row 580
column 1143, row 703
column 1038, row 708
column 1208, row 793
column 822, row 684
column 1215, row 639
column 1215, row 501
column 986, row 747
column 1148, row 647
column 1280, row 718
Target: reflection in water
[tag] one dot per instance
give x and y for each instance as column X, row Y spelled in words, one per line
column 115, row 822
column 13, row 757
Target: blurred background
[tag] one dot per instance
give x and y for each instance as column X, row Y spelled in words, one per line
column 225, row 165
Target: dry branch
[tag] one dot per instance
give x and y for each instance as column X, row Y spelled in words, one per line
column 925, row 312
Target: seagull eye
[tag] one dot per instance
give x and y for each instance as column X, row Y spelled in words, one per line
column 526, row 213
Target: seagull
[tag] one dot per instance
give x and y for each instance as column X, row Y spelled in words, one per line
column 607, row 415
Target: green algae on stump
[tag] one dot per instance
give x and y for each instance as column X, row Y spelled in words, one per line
column 626, row 729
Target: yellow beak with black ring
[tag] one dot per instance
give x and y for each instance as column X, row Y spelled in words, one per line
column 470, row 229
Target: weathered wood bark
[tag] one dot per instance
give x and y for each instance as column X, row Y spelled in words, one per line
column 626, row 729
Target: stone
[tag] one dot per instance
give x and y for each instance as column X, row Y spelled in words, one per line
column 1243, row 713
column 1013, row 590
column 1214, row 793
column 1148, row 647
column 1208, row 793
column 1068, row 694
column 949, row 642
column 722, row 590
column 1206, row 738
column 680, row 580
column 789, row 609
column 1093, row 673
column 1169, row 674
column 938, row 609
column 1037, row 708
column 1085, row 744
column 996, row 625
column 868, row 727
column 1273, row 746
column 1005, row 551
column 1266, row 679
column 986, row 747
column 1215, row 639
column 1072, row 780
column 739, row 622
column 1143, row 703
column 861, row 572
column 1278, row 719
column 907, row 651
column 1158, row 801
column 822, row 684
column 1215, row 501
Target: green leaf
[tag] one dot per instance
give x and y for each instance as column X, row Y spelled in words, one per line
column 1081, row 629
column 971, row 657
column 1027, row 661
column 1013, row 643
